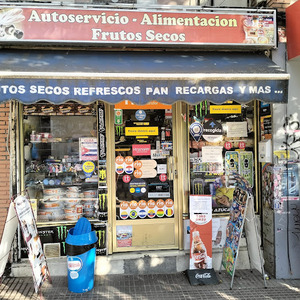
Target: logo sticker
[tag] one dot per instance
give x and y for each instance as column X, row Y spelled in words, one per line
column 140, row 115
column 196, row 130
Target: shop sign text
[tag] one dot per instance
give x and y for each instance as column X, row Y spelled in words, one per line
column 139, row 27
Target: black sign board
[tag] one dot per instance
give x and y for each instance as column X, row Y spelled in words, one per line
column 202, row 277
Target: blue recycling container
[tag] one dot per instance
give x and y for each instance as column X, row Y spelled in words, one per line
column 81, row 256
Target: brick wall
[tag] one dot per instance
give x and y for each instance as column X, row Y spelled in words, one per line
column 4, row 165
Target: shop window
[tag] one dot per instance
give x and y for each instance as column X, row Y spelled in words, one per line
column 61, row 161
column 144, row 147
column 221, row 143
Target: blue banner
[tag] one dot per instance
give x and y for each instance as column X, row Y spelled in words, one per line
column 57, row 91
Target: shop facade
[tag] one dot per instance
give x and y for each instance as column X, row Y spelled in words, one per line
column 124, row 138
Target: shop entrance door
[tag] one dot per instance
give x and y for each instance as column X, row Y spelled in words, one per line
column 146, row 206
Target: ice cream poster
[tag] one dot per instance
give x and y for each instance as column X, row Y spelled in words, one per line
column 200, row 232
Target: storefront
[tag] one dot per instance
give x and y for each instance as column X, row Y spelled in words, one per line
column 125, row 137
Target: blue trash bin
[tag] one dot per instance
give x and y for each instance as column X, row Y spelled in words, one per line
column 81, row 256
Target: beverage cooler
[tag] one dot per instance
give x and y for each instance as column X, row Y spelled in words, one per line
column 64, row 175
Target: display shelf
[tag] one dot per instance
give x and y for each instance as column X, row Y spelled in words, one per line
column 55, row 142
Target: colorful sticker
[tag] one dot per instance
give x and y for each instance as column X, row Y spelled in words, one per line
column 126, row 178
column 141, row 150
column 124, row 205
column 227, row 145
column 133, row 204
column 142, row 213
column 88, row 168
column 120, row 160
column 128, row 169
column 151, row 204
column 242, row 145
column 137, row 187
column 128, row 160
column 163, row 177
column 160, row 213
column 137, row 173
column 133, row 214
column 137, row 164
column 142, row 204
column 246, row 166
column 169, row 212
column 118, row 116
column 151, row 213
column 119, row 169
column 124, row 215
column 160, row 203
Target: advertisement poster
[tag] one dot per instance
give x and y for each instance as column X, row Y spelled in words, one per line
column 124, row 236
column 200, row 232
column 219, row 232
column 88, row 149
column 31, row 238
column 231, row 162
column 234, row 229
column 222, row 196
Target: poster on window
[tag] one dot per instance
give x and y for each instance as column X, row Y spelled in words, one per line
column 31, row 238
column 234, row 229
column 88, row 149
column 200, row 232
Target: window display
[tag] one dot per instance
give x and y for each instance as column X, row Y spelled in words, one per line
column 143, row 163
column 221, row 142
column 61, row 160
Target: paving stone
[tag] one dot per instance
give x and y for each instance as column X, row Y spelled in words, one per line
column 247, row 285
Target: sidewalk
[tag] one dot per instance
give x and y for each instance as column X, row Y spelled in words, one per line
column 246, row 285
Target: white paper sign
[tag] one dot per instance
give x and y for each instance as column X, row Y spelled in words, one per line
column 212, row 154
column 161, row 169
column 236, row 129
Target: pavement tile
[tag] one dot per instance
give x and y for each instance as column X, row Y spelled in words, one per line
column 247, row 285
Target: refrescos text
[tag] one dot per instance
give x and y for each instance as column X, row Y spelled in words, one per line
column 130, row 90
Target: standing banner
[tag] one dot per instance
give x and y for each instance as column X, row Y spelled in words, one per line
column 28, row 227
column 241, row 213
column 200, row 232
column 234, row 229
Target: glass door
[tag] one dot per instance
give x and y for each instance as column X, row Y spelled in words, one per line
column 145, row 208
